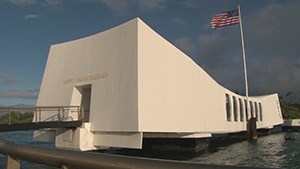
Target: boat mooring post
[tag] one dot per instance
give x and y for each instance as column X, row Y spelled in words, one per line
column 253, row 129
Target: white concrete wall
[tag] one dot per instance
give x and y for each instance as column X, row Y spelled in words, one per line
column 81, row 138
column 272, row 114
column 140, row 84
column 114, row 98
column 175, row 94
column 111, row 57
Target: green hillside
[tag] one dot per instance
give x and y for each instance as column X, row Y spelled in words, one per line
column 16, row 117
column 290, row 110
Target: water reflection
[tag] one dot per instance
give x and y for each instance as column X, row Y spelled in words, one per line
column 268, row 151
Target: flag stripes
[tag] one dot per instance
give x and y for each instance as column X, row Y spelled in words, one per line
column 225, row 19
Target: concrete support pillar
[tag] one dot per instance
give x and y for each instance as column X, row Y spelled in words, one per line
column 12, row 163
column 253, row 129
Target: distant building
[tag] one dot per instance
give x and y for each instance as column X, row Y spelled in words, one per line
column 135, row 85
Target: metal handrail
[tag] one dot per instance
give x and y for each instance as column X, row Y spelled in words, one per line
column 59, row 112
column 70, row 159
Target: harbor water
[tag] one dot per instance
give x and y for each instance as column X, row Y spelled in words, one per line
column 279, row 150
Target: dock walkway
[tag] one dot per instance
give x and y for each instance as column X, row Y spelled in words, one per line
column 58, row 117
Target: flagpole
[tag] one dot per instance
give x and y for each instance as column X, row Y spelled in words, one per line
column 244, row 59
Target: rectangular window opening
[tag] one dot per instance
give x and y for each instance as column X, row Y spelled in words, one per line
column 260, row 111
column 235, row 108
column 241, row 109
column 228, row 107
column 256, row 111
column 246, row 110
column 251, row 109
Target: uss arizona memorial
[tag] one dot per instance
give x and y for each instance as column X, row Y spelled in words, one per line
column 135, row 85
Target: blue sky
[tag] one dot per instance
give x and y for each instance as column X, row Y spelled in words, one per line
column 271, row 28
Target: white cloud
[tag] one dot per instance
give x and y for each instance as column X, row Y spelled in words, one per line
column 32, row 16
column 217, row 50
column 275, row 28
column 23, row 2
column 192, row 3
column 151, row 4
column 19, row 94
column 186, row 44
column 275, row 75
column 274, row 34
column 272, row 38
column 7, row 79
column 120, row 7
column 51, row 3
column 178, row 21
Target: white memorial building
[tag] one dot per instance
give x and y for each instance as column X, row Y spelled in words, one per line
column 137, row 85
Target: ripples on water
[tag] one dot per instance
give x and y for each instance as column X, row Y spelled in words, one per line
column 24, row 137
column 268, row 151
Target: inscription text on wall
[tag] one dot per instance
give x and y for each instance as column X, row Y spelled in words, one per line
column 92, row 77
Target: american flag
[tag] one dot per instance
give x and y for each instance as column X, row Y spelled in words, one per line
column 225, row 19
